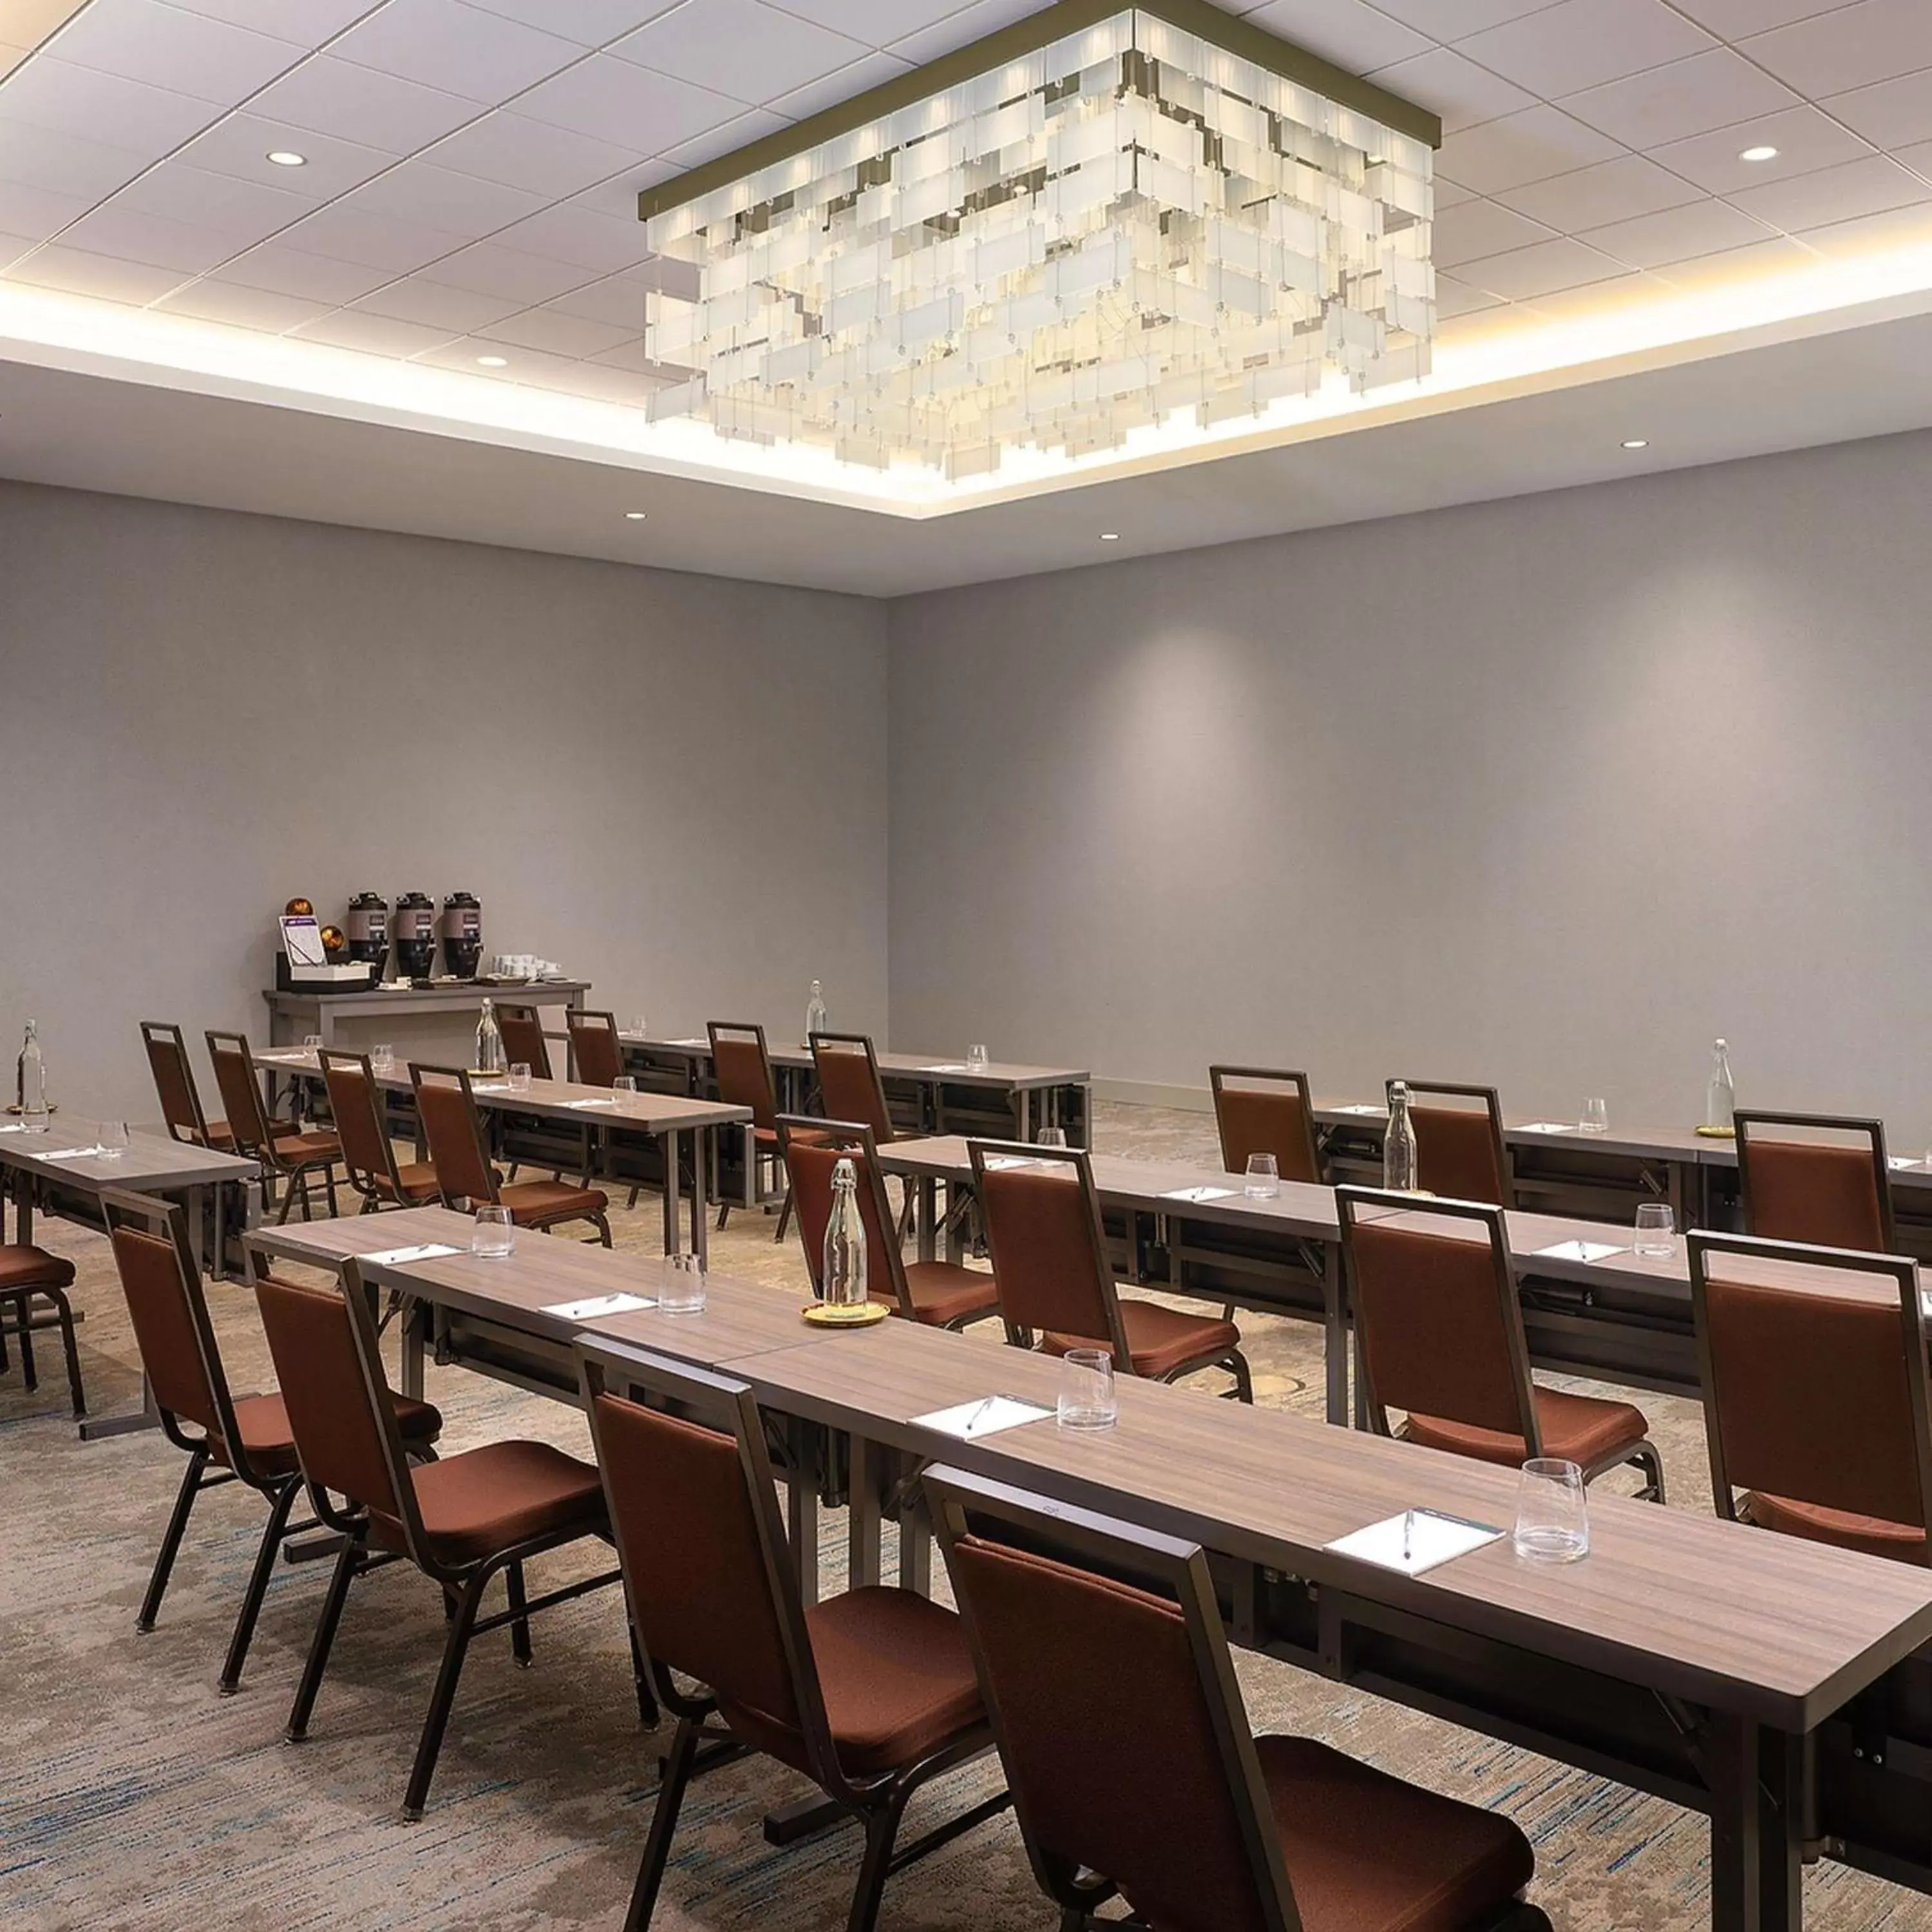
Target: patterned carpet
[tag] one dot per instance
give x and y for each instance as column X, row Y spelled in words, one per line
column 132, row 1796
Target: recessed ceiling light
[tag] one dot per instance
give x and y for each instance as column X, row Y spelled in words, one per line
column 1110, row 536
column 285, row 158
column 1637, row 442
column 635, row 516
column 492, row 361
column 1765, row 153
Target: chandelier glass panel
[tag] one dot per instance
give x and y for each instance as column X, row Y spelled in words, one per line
column 1130, row 223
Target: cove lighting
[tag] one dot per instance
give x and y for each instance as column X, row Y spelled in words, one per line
column 287, row 158
column 492, row 361
column 1766, row 153
column 1161, row 213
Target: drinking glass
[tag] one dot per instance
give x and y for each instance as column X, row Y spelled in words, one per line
column 382, row 1058
column 495, row 1235
column 976, row 1059
column 1656, row 1230
column 1050, row 1137
column 1552, row 1513
column 1086, row 1397
column 625, row 1083
column 33, row 1119
column 519, row 1077
column 683, row 1290
column 311, row 1043
column 113, row 1139
column 1596, row 1117
column 1264, row 1178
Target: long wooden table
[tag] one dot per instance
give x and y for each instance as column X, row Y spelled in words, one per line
column 1698, row 1660
column 676, row 1124
column 300, row 1010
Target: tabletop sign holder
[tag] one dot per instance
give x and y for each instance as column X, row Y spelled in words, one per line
column 303, row 960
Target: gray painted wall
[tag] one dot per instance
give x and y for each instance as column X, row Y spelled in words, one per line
column 675, row 785
column 1547, row 792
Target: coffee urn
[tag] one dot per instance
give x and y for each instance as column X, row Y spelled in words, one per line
column 460, row 929
column 416, row 935
column 367, row 920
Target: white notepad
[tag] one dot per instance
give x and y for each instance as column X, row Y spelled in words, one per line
column 599, row 1102
column 1579, row 1251
column 1000, row 1162
column 489, row 1087
column 94, row 1153
column 1199, row 1194
column 428, row 1251
column 970, row 1421
column 1417, row 1540
column 1549, row 1127
column 946, row 1066
column 702, row 1042
column 1896, row 1161
column 1360, row 1107
column 598, row 1307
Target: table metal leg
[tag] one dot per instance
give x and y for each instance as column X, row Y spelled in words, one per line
column 1754, row 1876
column 416, row 1318
column 862, row 1513
column 1334, row 1336
column 667, row 1148
column 701, row 1196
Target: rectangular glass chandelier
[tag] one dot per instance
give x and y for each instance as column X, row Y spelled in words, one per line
column 1158, row 210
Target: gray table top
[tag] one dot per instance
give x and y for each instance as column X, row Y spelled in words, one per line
column 152, row 1161
column 1010, row 1076
column 440, row 993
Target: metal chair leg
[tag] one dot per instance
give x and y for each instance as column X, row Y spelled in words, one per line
column 23, row 1329
column 171, row 1541
column 456, row 1647
column 70, row 1348
column 881, row 1828
column 272, row 1533
column 785, row 1217
column 663, row 1822
column 520, row 1627
column 339, row 1581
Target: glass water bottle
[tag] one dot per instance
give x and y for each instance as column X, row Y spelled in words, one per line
column 815, row 1012
column 1721, row 1095
column 1398, row 1162
column 489, row 1042
column 842, row 1270
column 30, row 1078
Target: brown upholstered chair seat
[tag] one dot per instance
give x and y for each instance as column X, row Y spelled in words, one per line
column 221, row 1136
column 1584, row 1429
column 1159, row 1339
column 492, row 1498
column 418, row 1182
column 1901, row 1542
column 297, row 1148
column 943, row 1293
column 897, row 1678
column 263, row 1422
column 33, row 1268
column 536, row 1204
column 1368, row 1852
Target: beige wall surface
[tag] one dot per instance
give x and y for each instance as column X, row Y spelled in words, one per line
column 1546, row 792
column 674, row 785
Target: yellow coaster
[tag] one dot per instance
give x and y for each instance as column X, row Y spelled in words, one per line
column 825, row 1315
column 1719, row 1133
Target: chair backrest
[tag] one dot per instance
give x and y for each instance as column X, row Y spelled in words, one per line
column 356, row 1103
column 1437, row 1319
column 1042, row 1221
column 742, row 1069
column 1116, row 1709
column 454, row 1131
column 328, row 1365
column 594, row 1046
column 849, row 1083
column 1813, row 1395
column 174, row 1081
column 1793, row 1185
column 1459, row 1150
column 523, row 1042
column 1265, row 1110
column 812, row 1150
column 240, row 1085
column 170, row 1312
column 699, row 1480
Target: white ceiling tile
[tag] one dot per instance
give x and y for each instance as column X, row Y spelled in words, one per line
column 1735, row 20
column 12, row 246
column 491, row 269
column 11, row 56
column 618, row 101
column 1539, row 142
column 571, row 232
column 417, row 298
column 352, row 234
column 1868, row 187
column 616, row 385
column 1450, row 194
column 1540, row 269
column 1597, row 301
column 618, row 197
column 816, row 96
column 356, row 104
column 1617, row 190
column 519, row 364
column 1453, row 298
column 740, row 47
column 733, row 135
column 38, row 211
column 619, row 300
column 1736, row 267
column 442, row 44
column 293, row 271
column 375, row 334
column 307, row 23
column 55, row 93
column 523, row 153
column 590, row 23
column 1918, row 158
column 1716, row 89
column 32, row 22
column 1894, row 114
column 1890, row 229
column 1852, row 47
column 138, row 235
column 1461, row 93
column 240, row 147
column 242, row 308
column 38, row 157
column 1583, row 44
column 246, row 211
column 167, row 47
column 875, row 23
column 1805, row 139
column 960, row 29
column 1457, row 19
column 1706, row 227
column 465, row 205
column 1353, row 35
column 560, row 334
column 1475, row 228
column 81, row 273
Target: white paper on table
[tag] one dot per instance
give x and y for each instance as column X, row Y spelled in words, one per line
column 948, row 1066
column 598, row 1307
column 1549, row 1127
column 698, row 1041
column 1896, row 1161
column 489, row 1087
column 1000, row 1162
column 1199, row 1194
column 428, row 1251
column 1359, row 1107
column 1417, row 1540
column 279, row 1054
column 599, row 1102
column 1579, row 1251
column 95, row 1153
column 970, row 1421
column 18, row 1127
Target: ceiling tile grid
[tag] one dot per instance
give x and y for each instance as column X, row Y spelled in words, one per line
column 470, row 167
